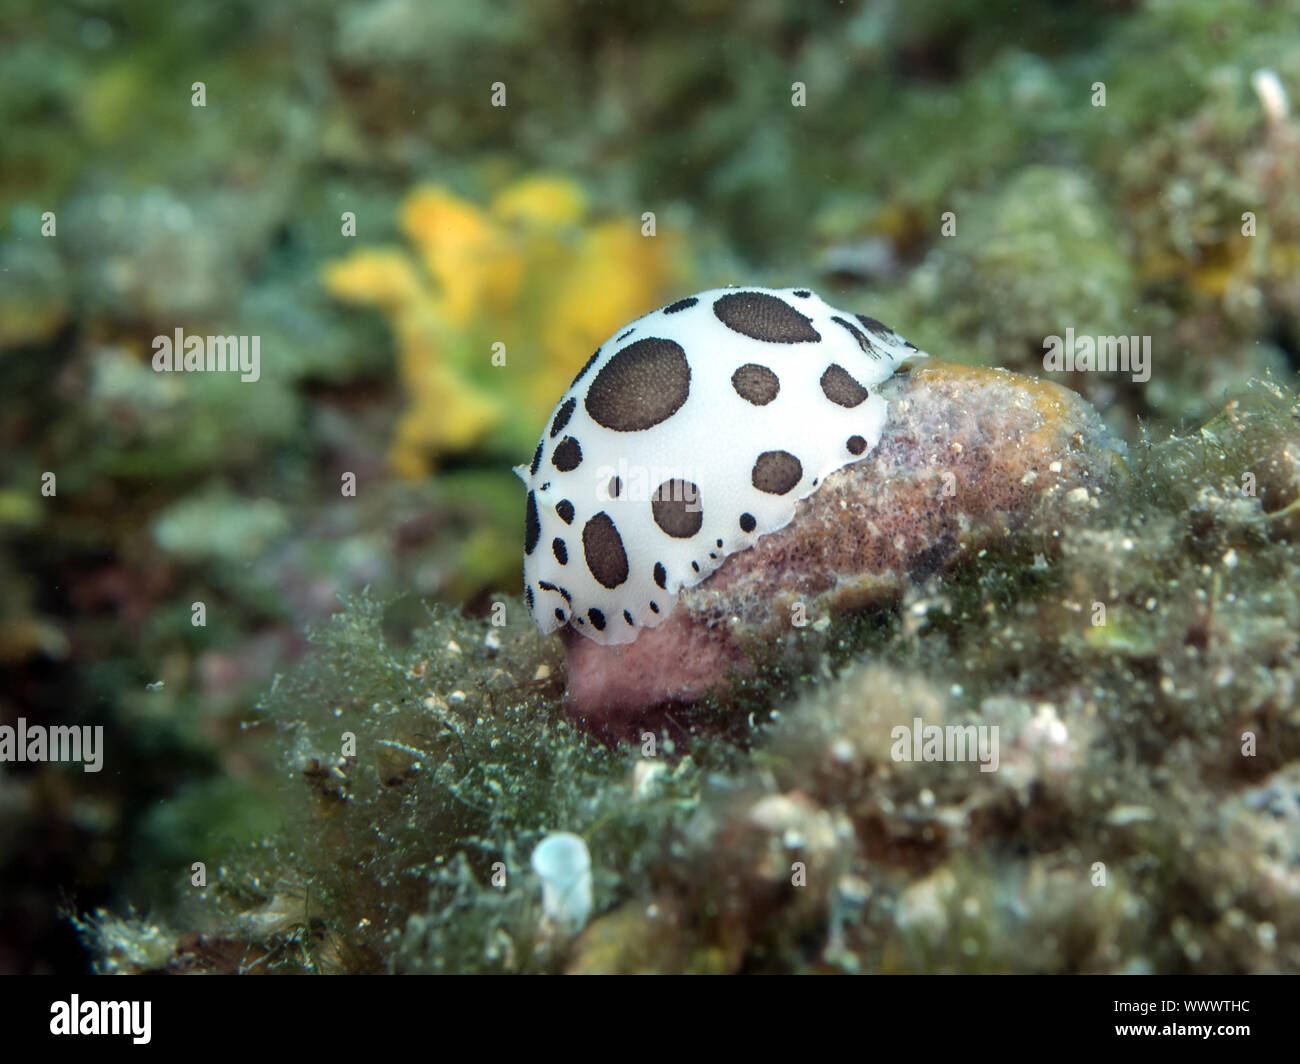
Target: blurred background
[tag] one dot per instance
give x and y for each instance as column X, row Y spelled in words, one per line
column 384, row 190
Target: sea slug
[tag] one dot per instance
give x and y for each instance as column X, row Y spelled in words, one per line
column 687, row 436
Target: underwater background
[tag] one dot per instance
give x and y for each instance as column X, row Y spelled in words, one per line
column 384, row 192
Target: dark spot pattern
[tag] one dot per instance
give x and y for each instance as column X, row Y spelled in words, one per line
column 620, row 339
column 763, row 317
column 603, row 548
column 661, row 575
column 528, row 594
column 776, row 472
column 560, row 551
column 559, row 614
column 537, row 460
column 547, row 586
column 587, row 365
column 695, row 566
column 840, row 388
column 676, row 508
column 615, row 488
column 645, row 383
column 628, row 617
column 680, row 305
column 565, row 509
column 532, row 526
column 802, row 293
column 567, row 456
column 856, row 445
column 877, row 328
column 859, row 336
column 719, row 542
column 755, row 384
column 597, row 619
column 562, row 416
column 747, row 523
column 654, row 607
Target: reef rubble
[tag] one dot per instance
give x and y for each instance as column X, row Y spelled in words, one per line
column 972, row 460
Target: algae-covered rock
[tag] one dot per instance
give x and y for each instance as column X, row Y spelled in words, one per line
column 1073, row 755
column 972, row 461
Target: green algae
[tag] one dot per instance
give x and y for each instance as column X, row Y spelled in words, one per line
column 913, row 111
column 1118, row 834
column 461, row 762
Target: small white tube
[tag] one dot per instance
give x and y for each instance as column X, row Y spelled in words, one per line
column 1272, row 95
column 563, row 864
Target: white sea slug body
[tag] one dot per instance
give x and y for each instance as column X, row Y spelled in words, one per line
column 687, row 436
